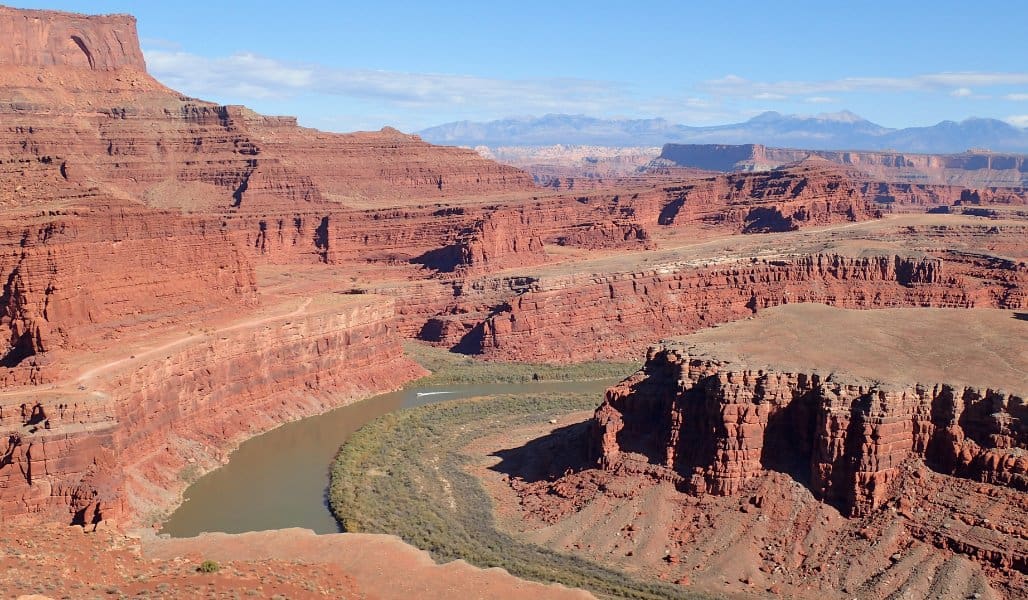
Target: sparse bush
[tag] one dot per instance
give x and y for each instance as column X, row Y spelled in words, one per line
column 208, row 566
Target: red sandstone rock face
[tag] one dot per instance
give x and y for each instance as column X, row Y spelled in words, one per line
column 500, row 240
column 714, row 427
column 47, row 38
column 909, row 195
column 232, row 160
column 632, row 310
column 83, row 274
column 114, row 443
column 775, row 201
column 120, row 307
column 132, row 209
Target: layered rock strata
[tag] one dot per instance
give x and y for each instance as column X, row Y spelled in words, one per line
column 713, row 414
column 629, row 311
column 114, row 441
column 780, row 200
column 48, row 38
column 75, row 277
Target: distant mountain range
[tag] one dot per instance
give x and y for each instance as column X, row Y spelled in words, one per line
column 832, row 131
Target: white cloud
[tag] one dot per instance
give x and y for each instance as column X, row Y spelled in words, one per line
column 1019, row 97
column 769, row 96
column 1018, row 121
column 819, row 100
column 407, row 99
column 733, row 85
column 243, row 74
column 248, row 76
column 962, row 93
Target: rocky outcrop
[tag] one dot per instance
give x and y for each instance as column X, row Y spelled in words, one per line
column 564, row 319
column 781, row 200
column 46, row 38
column 971, row 169
column 718, row 426
column 502, row 239
column 715, row 415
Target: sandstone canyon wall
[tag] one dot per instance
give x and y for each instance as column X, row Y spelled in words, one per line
column 629, row 311
column 133, row 213
column 113, row 444
column 711, row 424
column 133, row 339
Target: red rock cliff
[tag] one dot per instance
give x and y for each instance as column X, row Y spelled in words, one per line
column 113, row 443
column 719, row 414
column 717, row 425
column 583, row 318
column 44, row 38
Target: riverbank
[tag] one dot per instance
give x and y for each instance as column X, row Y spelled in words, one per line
column 448, row 367
column 284, row 473
column 404, row 474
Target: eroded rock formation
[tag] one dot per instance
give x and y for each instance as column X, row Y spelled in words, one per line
column 48, row 38
column 846, row 438
column 711, row 415
column 114, row 442
column 76, row 276
column 780, row 200
column 629, row 311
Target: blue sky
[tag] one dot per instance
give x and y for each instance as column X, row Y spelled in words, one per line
column 343, row 66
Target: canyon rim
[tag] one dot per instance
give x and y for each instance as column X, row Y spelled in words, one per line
column 831, row 340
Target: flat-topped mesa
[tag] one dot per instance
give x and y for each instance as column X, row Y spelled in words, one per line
column 717, row 411
column 628, row 311
column 973, row 168
column 808, row 194
column 43, row 38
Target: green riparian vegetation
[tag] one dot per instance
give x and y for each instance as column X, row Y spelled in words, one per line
column 404, row 474
column 449, row 368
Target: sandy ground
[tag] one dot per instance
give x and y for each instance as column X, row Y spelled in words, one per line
column 57, row 561
column 981, row 347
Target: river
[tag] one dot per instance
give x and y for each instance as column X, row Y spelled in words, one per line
column 279, row 479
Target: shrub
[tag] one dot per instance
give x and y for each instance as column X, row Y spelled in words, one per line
column 208, row 566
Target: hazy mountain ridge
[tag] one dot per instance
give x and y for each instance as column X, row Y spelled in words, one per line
column 831, row 131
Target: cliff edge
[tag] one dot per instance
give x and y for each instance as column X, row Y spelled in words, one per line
column 44, row 38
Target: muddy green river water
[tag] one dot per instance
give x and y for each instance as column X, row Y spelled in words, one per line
column 279, row 479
